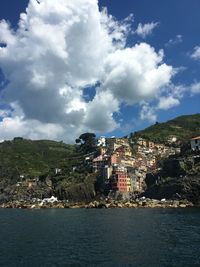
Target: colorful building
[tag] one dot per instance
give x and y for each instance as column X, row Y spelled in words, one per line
column 120, row 180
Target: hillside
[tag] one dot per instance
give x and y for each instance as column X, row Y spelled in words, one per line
column 32, row 157
column 57, row 167
column 183, row 127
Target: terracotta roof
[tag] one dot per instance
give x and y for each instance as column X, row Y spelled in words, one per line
column 196, row 138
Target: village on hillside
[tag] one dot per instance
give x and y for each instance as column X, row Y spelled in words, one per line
column 120, row 167
column 122, row 163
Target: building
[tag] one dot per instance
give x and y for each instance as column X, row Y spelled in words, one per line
column 114, row 143
column 114, row 159
column 172, row 139
column 102, row 150
column 123, row 151
column 127, row 161
column 142, row 142
column 120, row 180
column 151, row 144
column 101, row 141
column 99, row 162
column 195, row 143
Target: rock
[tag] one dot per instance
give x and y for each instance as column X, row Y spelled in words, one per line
column 134, row 205
column 140, row 203
column 182, row 206
column 176, row 203
column 59, row 206
column 101, row 206
column 91, row 205
column 144, row 203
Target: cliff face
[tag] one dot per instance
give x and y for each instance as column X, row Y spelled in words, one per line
column 177, row 188
column 23, row 192
column 77, row 192
column 179, row 178
column 74, row 191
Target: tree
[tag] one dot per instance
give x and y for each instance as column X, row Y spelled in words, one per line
column 87, row 142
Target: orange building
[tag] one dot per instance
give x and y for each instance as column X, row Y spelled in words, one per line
column 114, row 159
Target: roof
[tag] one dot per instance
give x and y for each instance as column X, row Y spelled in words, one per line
column 196, row 138
column 99, row 158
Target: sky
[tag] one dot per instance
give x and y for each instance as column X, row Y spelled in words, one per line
column 108, row 67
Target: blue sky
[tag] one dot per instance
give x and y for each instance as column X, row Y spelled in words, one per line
column 76, row 69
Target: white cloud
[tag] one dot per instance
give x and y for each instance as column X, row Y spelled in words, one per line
column 135, row 74
column 16, row 126
column 6, row 35
column 4, row 113
column 168, row 102
column 100, row 111
column 195, row 88
column 148, row 113
column 177, row 40
column 61, row 47
column 143, row 30
column 196, row 53
column 168, row 97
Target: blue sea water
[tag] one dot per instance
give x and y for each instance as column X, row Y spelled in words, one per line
column 107, row 237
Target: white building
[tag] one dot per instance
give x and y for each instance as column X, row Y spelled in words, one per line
column 195, row 143
column 172, row 139
column 101, row 141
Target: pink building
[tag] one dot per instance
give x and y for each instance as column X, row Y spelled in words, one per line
column 120, row 181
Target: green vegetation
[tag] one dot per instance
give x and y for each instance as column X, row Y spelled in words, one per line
column 58, row 168
column 87, row 142
column 184, row 128
column 32, row 158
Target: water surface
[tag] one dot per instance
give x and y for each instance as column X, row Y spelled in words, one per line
column 107, row 237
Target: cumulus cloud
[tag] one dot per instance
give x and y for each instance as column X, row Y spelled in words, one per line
column 58, row 50
column 135, row 74
column 167, row 98
column 149, row 111
column 196, row 53
column 143, row 30
column 177, row 40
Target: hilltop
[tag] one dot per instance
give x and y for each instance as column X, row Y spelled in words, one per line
column 183, row 127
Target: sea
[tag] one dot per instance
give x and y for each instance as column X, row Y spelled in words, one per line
column 100, row 237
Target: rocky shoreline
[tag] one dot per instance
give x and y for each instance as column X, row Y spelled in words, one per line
column 107, row 204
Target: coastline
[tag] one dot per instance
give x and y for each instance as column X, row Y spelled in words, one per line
column 99, row 204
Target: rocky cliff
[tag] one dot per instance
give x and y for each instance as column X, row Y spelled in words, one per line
column 179, row 178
